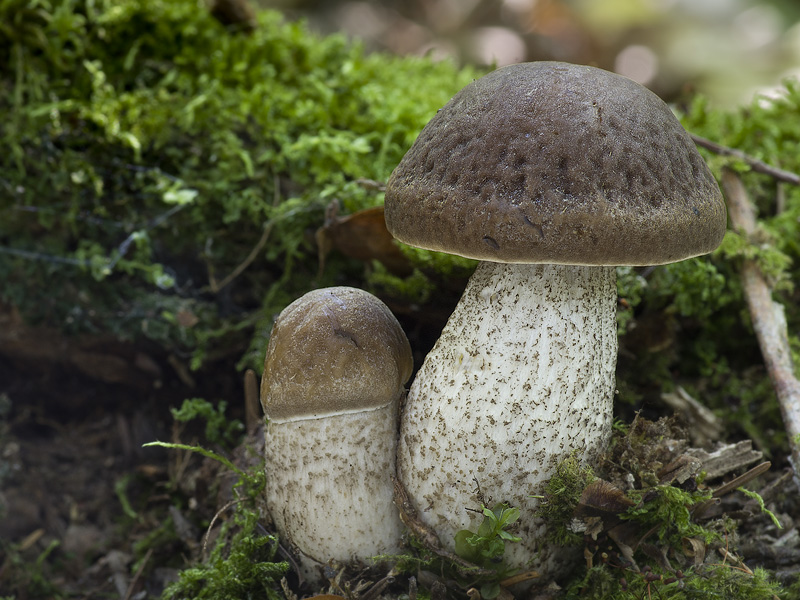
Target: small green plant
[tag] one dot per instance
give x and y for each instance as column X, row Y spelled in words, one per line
column 26, row 578
column 485, row 548
column 219, row 428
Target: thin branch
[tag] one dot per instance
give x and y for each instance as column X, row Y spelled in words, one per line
column 27, row 254
column 741, row 480
column 138, row 574
column 215, row 286
column 111, row 260
column 252, row 405
column 755, row 164
column 768, row 319
column 214, row 520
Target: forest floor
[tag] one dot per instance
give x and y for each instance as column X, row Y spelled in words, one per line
column 85, row 506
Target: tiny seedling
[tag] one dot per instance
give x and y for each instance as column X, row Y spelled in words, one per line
column 486, row 547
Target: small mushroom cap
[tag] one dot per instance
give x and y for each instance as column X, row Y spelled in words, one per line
column 550, row 162
column 334, row 351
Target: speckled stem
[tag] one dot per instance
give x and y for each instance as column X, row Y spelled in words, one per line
column 329, row 486
column 522, row 375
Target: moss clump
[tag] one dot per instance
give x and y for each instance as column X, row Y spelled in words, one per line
column 720, row 582
column 666, row 509
column 28, row 576
column 243, row 566
column 148, row 148
column 562, row 494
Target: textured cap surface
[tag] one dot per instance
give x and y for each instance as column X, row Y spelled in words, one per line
column 550, row 162
column 333, row 351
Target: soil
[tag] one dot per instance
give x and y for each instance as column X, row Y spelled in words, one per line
column 71, row 455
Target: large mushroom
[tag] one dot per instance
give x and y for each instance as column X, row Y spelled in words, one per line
column 551, row 174
column 335, row 369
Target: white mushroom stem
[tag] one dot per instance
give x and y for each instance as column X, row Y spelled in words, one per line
column 332, row 490
column 522, row 376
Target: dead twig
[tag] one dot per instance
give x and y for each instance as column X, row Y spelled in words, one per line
column 252, row 406
column 218, row 514
column 743, row 479
column 138, row 574
column 755, row 164
column 769, row 323
column 377, row 589
column 215, row 286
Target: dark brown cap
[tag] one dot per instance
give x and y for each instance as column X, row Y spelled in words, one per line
column 550, row 162
column 334, row 351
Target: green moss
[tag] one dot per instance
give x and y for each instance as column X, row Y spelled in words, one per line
column 773, row 263
column 148, row 147
column 415, row 288
column 245, row 569
column 667, row 510
column 647, row 541
column 242, row 563
column 439, row 262
column 219, row 429
column 562, row 493
column 717, row 582
column 630, row 288
column 27, row 575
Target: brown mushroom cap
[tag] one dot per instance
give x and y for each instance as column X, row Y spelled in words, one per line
column 333, row 351
column 549, row 162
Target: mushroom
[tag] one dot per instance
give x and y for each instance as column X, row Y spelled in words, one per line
column 334, row 373
column 551, row 174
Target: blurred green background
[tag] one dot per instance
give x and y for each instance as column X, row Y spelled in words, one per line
column 727, row 49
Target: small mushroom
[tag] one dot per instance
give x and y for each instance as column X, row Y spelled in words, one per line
column 552, row 174
column 334, row 373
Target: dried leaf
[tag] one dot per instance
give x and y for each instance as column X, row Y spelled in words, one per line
column 695, row 548
column 363, row 236
column 602, row 499
column 659, row 554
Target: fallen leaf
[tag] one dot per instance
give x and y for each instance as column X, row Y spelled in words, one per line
column 363, row 236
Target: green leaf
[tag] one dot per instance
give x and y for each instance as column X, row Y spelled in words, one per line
column 180, row 196
column 490, row 590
